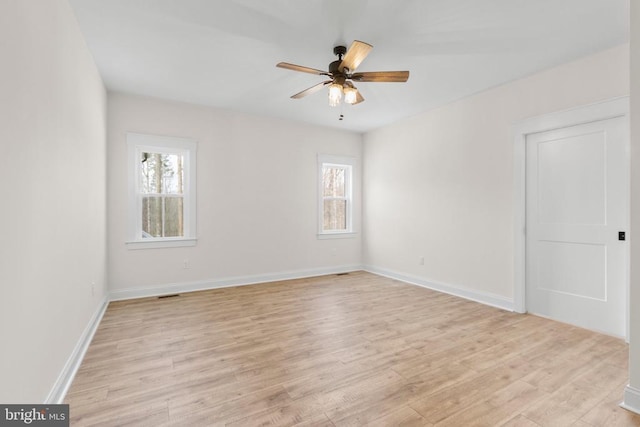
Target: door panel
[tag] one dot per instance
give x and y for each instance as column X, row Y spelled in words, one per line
column 560, row 269
column 571, row 180
column 577, row 201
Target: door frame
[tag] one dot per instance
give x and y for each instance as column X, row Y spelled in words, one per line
column 609, row 109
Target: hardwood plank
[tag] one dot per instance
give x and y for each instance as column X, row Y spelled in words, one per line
column 465, row 393
column 232, row 409
column 520, row 421
column 284, row 417
column 565, row 406
column 404, row 416
column 498, row 408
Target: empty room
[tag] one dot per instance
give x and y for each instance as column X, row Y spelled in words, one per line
column 320, row 213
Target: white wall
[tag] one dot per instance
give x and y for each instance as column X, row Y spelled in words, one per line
column 257, row 191
column 53, row 186
column 632, row 393
column 440, row 185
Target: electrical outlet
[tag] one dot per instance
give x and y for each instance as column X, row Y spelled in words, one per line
column 421, row 260
column 185, row 264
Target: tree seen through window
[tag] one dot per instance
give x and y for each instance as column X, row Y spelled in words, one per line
column 162, row 192
column 334, row 198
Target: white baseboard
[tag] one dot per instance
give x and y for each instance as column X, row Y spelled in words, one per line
column 481, row 297
column 174, row 288
column 62, row 384
column 631, row 399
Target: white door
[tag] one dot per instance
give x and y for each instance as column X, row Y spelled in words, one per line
column 577, row 203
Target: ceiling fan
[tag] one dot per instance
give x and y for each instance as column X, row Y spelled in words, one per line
column 342, row 73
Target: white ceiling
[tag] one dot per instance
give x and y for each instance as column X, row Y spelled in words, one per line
column 223, row 52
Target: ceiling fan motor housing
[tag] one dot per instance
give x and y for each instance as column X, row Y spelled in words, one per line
column 333, row 67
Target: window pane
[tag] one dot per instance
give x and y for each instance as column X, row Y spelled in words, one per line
column 333, row 181
column 335, row 215
column 161, row 173
column 173, row 217
column 151, row 217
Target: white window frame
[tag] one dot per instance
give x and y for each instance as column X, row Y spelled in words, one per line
column 137, row 144
column 348, row 163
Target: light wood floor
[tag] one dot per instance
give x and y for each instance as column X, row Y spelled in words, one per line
column 356, row 349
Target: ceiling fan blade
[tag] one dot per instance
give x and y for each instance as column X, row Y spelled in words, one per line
column 312, row 89
column 381, row 76
column 300, row 68
column 355, row 55
column 359, row 98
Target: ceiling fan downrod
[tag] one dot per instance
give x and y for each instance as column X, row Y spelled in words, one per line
column 339, row 51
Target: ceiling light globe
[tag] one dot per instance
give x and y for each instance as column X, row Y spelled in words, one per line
column 335, row 94
column 350, row 95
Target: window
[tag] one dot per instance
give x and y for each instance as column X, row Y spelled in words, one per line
column 162, row 196
column 335, row 196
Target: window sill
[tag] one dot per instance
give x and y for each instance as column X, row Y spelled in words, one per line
column 161, row 243
column 337, row 235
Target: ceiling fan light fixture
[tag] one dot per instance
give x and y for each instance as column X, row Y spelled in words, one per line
column 350, row 95
column 342, row 73
column 335, row 94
